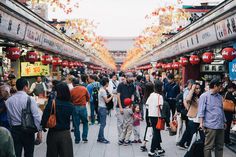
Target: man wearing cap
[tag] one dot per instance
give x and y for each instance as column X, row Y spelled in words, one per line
column 212, row 119
column 80, row 97
column 124, row 90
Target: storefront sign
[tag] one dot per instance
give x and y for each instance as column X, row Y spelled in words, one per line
column 232, row 70
column 36, row 69
column 50, row 43
column 11, row 27
column 226, row 28
column 33, row 35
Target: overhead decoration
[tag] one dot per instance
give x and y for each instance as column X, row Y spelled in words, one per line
column 158, row 65
column 46, row 59
column 64, row 63
column 13, row 53
column 31, row 56
column 194, row 59
column 167, row 19
column 208, row 57
column 176, row 65
column 183, row 61
column 229, row 53
column 56, row 61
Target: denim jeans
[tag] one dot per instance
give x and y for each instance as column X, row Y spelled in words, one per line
column 92, row 109
column 103, row 117
column 80, row 114
column 24, row 141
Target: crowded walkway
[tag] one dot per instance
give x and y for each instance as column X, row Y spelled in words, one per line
column 95, row 149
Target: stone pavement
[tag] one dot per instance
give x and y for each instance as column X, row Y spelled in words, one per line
column 94, row 149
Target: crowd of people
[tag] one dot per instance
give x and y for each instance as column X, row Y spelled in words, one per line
column 89, row 99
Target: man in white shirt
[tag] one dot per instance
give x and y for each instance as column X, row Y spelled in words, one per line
column 38, row 88
column 112, row 87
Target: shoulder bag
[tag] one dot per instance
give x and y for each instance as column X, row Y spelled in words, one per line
column 161, row 121
column 27, row 119
column 52, row 120
column 228, row 105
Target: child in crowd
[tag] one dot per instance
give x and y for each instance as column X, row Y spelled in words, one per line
column 128, row 123
column 136, row 124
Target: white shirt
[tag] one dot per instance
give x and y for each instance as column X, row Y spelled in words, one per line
column 34, row 85
column 112, row 87
column 101, row 94
column 70, row 86
column 154, row 101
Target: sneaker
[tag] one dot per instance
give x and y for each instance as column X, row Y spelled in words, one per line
column 127, row 143
column 77, row 142
column 120, row 142
column 72, row 130
column 85, row 140
column 161, row 151
column 182, row 147
column 139, row 141
column 153, row 154
column 134, row 141
column 103, row 141
column 143, row 148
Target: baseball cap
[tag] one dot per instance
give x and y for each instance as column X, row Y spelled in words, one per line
column 127, row 102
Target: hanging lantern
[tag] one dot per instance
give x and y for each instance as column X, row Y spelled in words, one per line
column 13, row 53
column 229, row 53
column 194, row 59
column 31, row 56
column 158, row 65
column 64, row 63
column 76, row 64
column 183, row 61
column 163, row 66
column 169, row 66
column 46, row 59
column 81, row 64
column 176, row 65
column 70, row 64
column 56, row 61
column 208, row 57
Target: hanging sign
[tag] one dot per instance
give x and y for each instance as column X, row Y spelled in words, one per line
column 36, row 69
column 226, row 29
column 11, row 27
column 33, row 35
column 232, row 70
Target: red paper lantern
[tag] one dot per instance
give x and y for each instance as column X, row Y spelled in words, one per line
column 175, row 65
column 169, row 66
column 76, row 64
column 158, row 65
column 46, row 59
column 71, row 64
column 163, row 66
column 183, row 61
column 208, row 57
column 229, row 53
column 56, row 61
column 31, row 56
column 13, row 53
column 194, row 59
column 64, row 63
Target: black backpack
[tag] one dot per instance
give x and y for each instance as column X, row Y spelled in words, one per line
column 180, row 106
column 110, row 104
column 95, row 94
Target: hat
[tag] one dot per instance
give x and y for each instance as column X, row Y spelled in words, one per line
column 215, row 81
column 127, row 102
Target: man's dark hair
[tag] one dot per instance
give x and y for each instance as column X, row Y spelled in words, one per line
column 93, row 77
column 75, row 82
column 63, row 92
column 158, row 86
column 139, row 78
column 190, row 81
column 21, row 83
column 84, row 78
column 104, row 81
column 214, row 82
column 171, row 76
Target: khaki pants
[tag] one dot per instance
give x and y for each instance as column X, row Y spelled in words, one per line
column 214, row 139
column 126, row 132
column 180, row 128
column 136, row 130
column 120, row 121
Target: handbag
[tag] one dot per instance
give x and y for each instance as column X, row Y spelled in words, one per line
column 110, row 104
column 228, row 105
column 161, row 121
column 27, row 119
column 52, row 120
column 173, row 125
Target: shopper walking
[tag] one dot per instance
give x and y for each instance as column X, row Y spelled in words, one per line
column 154, row 102
column 80, row 97
column 212, row 119
column 6, row 143
column 15, row 104
column 136, row 124
column 4, row 95
column 102, row 109
column 59, row 142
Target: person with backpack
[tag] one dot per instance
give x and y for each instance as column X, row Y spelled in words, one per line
column 138, row 96
column 103, row 100
column 93, row 88
column 80, row 97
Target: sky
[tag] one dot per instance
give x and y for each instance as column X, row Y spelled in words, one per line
column 117, row 18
